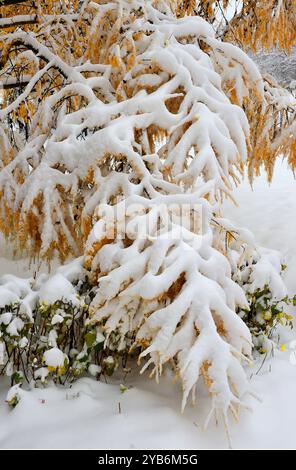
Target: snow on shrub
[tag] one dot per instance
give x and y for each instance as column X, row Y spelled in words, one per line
column 14, row 395
column 259, row 272
column 268, row 300
column 56, row 361
column 48, row 341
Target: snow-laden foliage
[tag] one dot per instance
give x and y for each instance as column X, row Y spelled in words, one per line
column 247, row 23
column 274, row 134
column 175, row 292
column 267, row 24
column 160, row 86
column 78, row 31
column 101, row 153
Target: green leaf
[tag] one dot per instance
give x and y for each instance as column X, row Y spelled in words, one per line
column 17, row 377
column 123, row 388
column 90, row 338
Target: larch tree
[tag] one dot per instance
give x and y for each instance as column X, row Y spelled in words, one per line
column 116, row 117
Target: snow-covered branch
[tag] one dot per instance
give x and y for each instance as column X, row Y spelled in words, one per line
column 20, row 20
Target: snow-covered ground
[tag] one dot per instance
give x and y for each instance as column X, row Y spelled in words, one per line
column 97, row 415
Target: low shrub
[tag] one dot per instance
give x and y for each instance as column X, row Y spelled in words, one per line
column 49, row 341
column 266, row 312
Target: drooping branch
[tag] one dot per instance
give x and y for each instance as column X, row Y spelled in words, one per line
column 18, row 20
column 11, row 83
column 12, row 2
column 21, row 20
column 31, row 43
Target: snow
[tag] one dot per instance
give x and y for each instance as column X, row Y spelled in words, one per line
column 279, row 64
column 5, row 318
column 94, row 370
column 15, row 326
column 57, row 285
column 57, row 319
column 19, row 19
column 87, row 415
column 268, row 212
column 54, row 357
